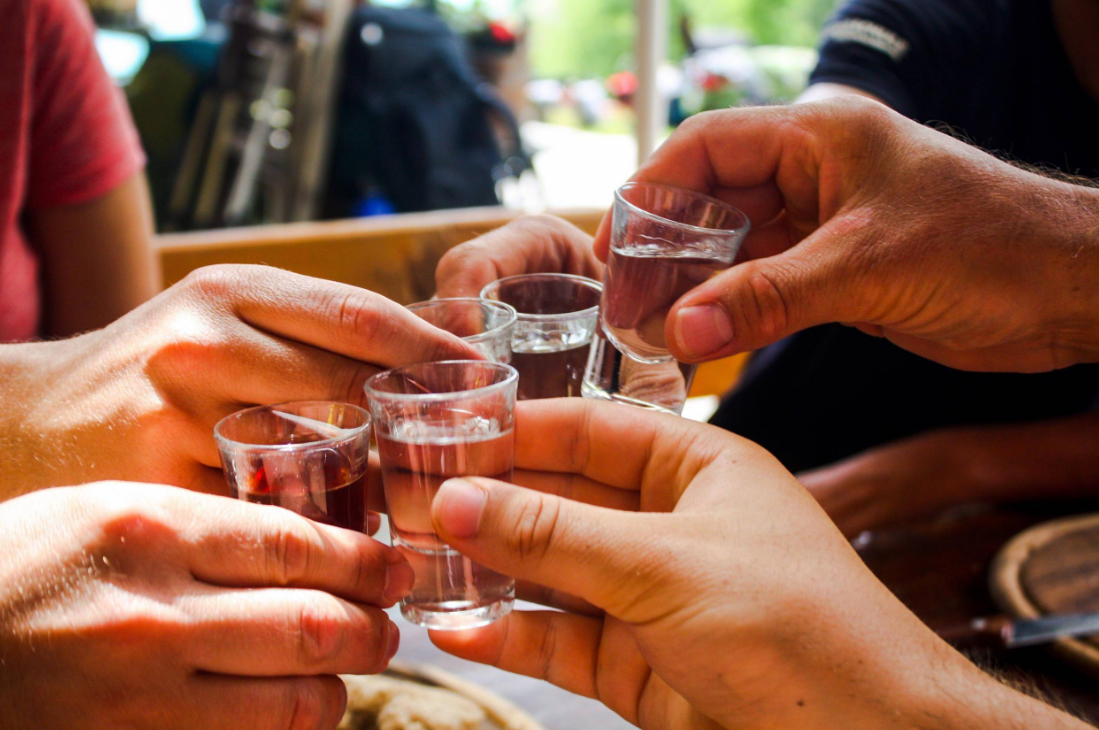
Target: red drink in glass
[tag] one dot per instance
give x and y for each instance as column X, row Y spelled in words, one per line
column 308, row 457
column 341, row 501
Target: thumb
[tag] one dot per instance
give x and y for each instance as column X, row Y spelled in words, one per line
column 759, row 302
column 601, row 555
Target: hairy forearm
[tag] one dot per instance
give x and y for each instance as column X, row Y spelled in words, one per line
column 1048, row 259
column 1075, row 223
column 973, row 700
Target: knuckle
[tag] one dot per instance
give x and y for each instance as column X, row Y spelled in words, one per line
column 697, row 123
column 358, row 316
column 457, row 264
column 453, row 259
column 535, row 528
column 866, row 119
column 308, row 706
column 541, row 222
column 769, row 311
column 368, row 572
column 320, row 634
column 214, row 281
column 289, row 555
column 547, row 650
column 126, row 517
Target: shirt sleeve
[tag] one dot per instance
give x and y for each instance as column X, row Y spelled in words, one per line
column 916, row 55
column 83, row 142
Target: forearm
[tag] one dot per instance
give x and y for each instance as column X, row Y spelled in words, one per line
column 1073, row 291
column 98, row 262
column 969, row 699
column 1048, row 459
column 919, row 682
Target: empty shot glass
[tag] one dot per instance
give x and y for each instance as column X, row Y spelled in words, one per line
column 557, row 315
column 434, row 421
column 487, row 325
column 308, row 457
column 665, row 241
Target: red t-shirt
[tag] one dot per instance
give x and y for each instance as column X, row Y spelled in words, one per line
column 65, row 137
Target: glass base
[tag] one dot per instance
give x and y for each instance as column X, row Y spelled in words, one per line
column 655, row 356
column 619, row 378
column 456, row 615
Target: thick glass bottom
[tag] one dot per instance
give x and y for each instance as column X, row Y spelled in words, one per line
column 456, row 615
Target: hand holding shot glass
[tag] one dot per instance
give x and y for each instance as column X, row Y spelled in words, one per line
column 665, row 241
column 435, row 421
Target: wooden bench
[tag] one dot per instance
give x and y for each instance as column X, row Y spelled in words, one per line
column 394, row 255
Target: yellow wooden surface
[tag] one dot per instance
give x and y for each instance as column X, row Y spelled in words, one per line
column 395, row 256
column 392, row 255
column 717, row 377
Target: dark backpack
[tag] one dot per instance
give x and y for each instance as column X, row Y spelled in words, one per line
column 415, row 123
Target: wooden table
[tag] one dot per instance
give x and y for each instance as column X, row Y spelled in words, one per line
column 938, row 569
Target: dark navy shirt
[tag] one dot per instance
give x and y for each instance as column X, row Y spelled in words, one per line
column 995, row 72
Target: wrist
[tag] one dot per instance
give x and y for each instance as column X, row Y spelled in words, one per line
column 957, row 695
column 28, row 374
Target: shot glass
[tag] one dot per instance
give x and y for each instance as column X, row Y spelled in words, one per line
column 308, row 457
column 614, row 376
column 665, row 241
column 487, row 325
column 558, row 314
column 434, row 421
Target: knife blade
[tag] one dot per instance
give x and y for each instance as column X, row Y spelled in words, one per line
column 1029, row 632
column 1004, row 632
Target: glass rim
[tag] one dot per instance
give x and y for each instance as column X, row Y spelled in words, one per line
column 352, row 432
column 513, row 314
column 742, row 229
column 592, row 311
column 374, row 394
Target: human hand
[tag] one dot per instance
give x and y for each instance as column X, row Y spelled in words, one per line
column 529, row 245
column 864, row 217
column 138, row 400
column 729, row 601
column 141, row 606
column 900, row 482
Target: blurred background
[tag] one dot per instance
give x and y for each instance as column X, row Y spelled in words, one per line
column 276, row 111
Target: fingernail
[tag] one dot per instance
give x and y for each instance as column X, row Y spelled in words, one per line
column 373, row 523
column 703, row 329
column 459, row 505
column 399, row 578
column 394, row 641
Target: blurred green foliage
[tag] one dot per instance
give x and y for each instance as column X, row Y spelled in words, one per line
column 589, row 38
